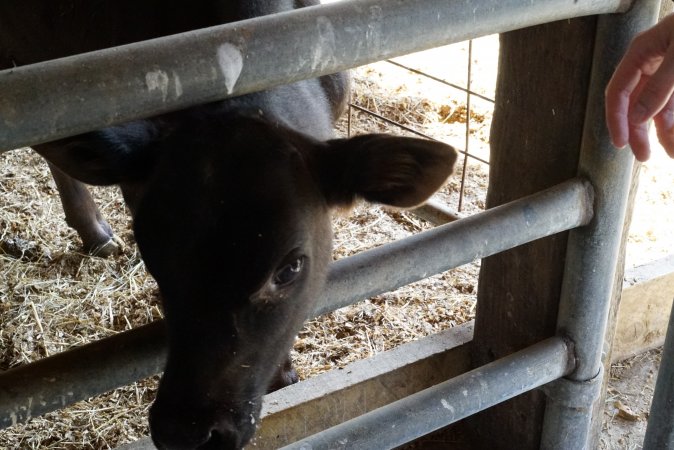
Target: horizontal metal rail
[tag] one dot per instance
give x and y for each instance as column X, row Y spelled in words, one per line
column 93, row 90
column 436, row 212
column 68, row 377
column 448, row 402
column 95, row 368
column 562, row 207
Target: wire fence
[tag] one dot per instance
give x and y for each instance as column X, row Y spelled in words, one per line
column 465, row 94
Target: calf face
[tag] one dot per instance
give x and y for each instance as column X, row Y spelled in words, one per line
column 232, row 217
column 252, row 232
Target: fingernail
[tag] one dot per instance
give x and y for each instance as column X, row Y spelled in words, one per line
column 617, row 140
column 618, row 145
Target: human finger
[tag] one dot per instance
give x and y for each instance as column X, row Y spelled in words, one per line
column 617, row 100
column 638, row 141
column 664, row 126
column 642, row 59
column 656, row 91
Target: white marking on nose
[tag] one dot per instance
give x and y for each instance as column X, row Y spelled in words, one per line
column 230, row 61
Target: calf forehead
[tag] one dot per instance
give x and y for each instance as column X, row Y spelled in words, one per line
column 240, row 199
column 227, row 145
column 266, row 223
column 258, row 179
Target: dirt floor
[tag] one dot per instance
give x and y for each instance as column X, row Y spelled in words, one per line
column 628, row 401
column 53, row 297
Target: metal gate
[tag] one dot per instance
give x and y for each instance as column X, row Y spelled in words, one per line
column 339, row 36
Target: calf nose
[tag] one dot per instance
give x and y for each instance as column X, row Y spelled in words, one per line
column 222, row 440
column 177, row 431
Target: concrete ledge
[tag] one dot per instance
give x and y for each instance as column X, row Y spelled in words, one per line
column 644, row 308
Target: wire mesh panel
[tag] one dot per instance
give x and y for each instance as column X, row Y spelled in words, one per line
column 432, row 94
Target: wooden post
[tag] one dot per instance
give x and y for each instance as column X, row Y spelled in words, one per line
column 535, row 139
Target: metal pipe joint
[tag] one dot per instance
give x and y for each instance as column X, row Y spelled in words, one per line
column 577, row 395
column 570, row 405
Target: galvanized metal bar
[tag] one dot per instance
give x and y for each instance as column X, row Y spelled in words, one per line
column 129, row 356
column 94, row 90
column 436, row 212
column 52, row 383
column 592, row 251
column 385, row 268
column 660, row 428
column 448, row 402
column 567, row 401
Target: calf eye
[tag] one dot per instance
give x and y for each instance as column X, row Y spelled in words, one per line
column 289, row 272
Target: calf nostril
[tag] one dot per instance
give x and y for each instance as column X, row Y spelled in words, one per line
column 173, row 427
column 218, row 440
column 169, row 433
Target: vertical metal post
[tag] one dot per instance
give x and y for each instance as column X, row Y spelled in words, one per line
column 660, row 429
column 592, row 251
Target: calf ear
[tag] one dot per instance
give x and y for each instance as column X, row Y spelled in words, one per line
column 110, row 156
column 396, row 171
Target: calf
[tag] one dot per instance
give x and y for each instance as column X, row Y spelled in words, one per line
column 231, row 205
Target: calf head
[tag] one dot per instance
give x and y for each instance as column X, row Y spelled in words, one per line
column 232, row 217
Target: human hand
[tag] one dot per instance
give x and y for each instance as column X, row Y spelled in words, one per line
column 641, row 89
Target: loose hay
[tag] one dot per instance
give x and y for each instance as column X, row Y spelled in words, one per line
column 53, row 298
